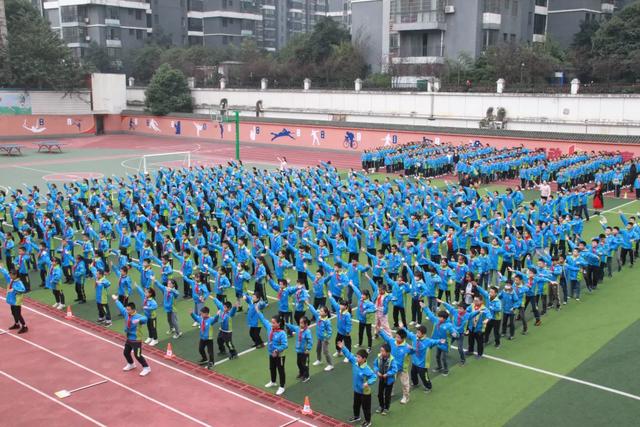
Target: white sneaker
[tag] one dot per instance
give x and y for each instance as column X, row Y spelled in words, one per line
column 335, row 354
column 176, row 336
column 55, row 305
column 345, row 360
column 404, row 400
column 317, row 363
column 280, row 391
column 153, row 343
column 145, row 371
column 169, row 332
column 328, row 368
column 129, row 367
column 412, row 323
column 195, row 324
column 147, row 341
column 61, row 306
column 270, row 384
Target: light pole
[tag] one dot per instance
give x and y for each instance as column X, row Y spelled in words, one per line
column 521, row 74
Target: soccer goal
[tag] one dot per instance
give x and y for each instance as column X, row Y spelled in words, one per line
column 154, row 162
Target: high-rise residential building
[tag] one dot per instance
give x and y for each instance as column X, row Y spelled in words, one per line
column 566, row 16
column 125, row 24
column 111, row 24
column 417, row 34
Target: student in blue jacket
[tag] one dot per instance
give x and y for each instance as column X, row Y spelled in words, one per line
column 252, row 318
column 304, row 344
column 276, row 347
column 133, row 344
column 363, row 378
column 15, row 294
column 323, row 334
column 385, row 368
column 205, row 331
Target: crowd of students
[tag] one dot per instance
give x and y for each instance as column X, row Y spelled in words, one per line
column 391, row 256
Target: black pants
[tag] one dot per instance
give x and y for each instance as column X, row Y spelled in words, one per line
column 362, row 401
column 492, row 325
column 384, row 393
column 423, row 374
column 361, row 328
column 297, row 315
column 80, row 295
column 276, row 366
column 16, row 312
column 208, row 345
column 67, row 274
column 346, row 339
column 476, row 338
column 152, row 327
column 303, row 365
column 254, row 333
column 399, row 311
column 59, row 296
column 285, row 317
column 136, row 347
column 224, row 341
column 103, row 311
column 319, row 302
column 623, row 256
column 508, row 320
column 534, row 307
column 416, row 311
column 24, row 278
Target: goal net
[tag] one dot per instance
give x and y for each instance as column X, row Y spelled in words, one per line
column 154, row 162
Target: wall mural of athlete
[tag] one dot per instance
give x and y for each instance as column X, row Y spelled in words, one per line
column 284, row 132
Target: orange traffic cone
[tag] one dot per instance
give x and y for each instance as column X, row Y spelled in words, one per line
column 306, row 408
column 169, row 353
column 69, row 312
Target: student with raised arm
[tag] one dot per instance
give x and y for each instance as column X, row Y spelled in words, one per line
column 276, row 347
column 420, row 346
column 304, row 344
column 400, row 350
column 199, row 293
column 226, row 312
column 365, row 312
column 385, row 368
column 15, row 294
column 323, row 335
column 363, row 378
column 132, row 321
column 442, row 327
column 150, row 308
column 169, row 296
column 205, row 332
column 343, row 323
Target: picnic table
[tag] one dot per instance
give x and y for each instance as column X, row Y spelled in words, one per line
column 11, row 149
column 49, row 146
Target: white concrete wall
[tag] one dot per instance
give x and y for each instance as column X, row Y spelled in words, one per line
column 109, row 93
column 594, row 114
column 49, row 102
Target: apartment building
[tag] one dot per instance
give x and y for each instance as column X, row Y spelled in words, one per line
column 426, row 32
column 566, row 16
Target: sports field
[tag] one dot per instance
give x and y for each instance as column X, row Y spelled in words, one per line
column 577, row 368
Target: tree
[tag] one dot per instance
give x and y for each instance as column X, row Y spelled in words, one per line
column 36, row 55
column 616, row 46
column 168, row 92
column 96, row 57
column 581, row 53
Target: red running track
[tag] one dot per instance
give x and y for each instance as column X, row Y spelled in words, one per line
column 57, row 354
column 206, row 151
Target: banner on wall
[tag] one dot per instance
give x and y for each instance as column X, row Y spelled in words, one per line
column 15, row 104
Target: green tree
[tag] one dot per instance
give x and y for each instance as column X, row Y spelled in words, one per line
column 616, row 46
column 581, row 53
column 97, row 58
column 168, row 92
column 37, row 57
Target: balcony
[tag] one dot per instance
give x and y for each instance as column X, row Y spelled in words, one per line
column 418, row 60
column 539, row 38
column 113, row 43
column 112, row 22
column 246, row 33
column 491, row 21
column 420, row 21
column 541, row 10
column 608, row 7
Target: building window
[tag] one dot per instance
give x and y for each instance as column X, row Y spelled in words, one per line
column 490, row 38
column 539, row 24
column 506, row 4
column 513, row 38
column 138, row 14
column 514, row 9
column 131, row 31
column 224, row 22
column 139, row 34
column 113, row 33
column 505, row 37
column 113, row 13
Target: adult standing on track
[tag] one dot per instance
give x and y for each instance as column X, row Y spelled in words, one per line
column 131, row 322
column 15, row 292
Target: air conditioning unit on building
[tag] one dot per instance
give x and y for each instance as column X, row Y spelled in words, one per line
column 86, row 20
column 450, row 9
column 88, row 38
